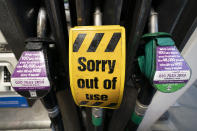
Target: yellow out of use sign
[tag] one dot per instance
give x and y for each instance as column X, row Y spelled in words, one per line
column 97, row 65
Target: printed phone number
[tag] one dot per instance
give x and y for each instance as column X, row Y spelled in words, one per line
column 171, row 75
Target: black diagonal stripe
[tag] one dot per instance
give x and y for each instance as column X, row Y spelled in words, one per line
column 111, row 104
column 97, row 103
column 113, row 42
column 83, row 102
column 95, row 42
column 78, row 42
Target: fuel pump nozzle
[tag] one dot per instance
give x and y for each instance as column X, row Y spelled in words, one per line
column 49, row 101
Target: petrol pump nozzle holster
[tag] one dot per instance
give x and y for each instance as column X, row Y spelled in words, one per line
column 147, row 63
column 34, row 60
column 37, row 44
column 40, row 44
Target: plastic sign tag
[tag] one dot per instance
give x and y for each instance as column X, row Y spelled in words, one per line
column 97, row 65
column 30, row 76
column 172, row 72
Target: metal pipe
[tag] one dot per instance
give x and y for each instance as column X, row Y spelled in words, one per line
column 97, row 17
column 97, row 113
column 41, row 23
column 97, row 116
column 153, row 21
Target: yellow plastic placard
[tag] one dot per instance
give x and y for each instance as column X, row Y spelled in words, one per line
column 97, row 65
